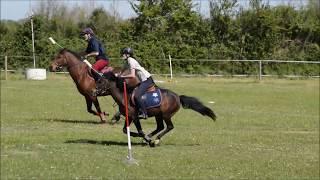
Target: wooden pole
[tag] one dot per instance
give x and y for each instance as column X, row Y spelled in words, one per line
column 6, row 66
column 260, row 70
column 33, row 51
column 170, row 66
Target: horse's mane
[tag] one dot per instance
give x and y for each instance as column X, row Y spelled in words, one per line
column 112, row 77
column 70, row 51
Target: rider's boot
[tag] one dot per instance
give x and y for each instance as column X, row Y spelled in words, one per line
column 99, row 84
column 142, row 113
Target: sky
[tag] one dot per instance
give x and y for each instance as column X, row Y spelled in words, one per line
column 20, row 9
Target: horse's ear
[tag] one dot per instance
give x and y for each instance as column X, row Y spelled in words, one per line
column 117, row 70
column 109, row 75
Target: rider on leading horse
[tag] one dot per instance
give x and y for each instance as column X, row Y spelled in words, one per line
column 144, row 76
column 95, row 49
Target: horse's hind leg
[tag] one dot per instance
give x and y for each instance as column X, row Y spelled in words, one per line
column 160, row 126
column 169, row 128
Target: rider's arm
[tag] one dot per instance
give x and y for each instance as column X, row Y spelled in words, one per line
column 131, row 67
column 94, row 53
column 93, row 48
column 132, row 74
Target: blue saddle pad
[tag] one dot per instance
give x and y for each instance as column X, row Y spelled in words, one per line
column 152, row 99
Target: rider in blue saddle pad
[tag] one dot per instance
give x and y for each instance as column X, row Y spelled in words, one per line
column 144, row 76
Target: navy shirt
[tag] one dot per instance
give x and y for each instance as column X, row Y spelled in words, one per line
column 95, row 45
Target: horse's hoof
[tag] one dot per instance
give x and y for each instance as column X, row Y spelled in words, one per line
column 103, row 121
column 152, row 144
column 116, row 117
column 145, row 142
column 103, row 118
column 157, row 142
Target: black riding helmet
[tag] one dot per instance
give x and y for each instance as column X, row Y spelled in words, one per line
column 87, row 31
column 126, row 50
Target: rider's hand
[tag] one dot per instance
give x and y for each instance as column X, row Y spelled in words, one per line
column 120, row 77
column 82, row 58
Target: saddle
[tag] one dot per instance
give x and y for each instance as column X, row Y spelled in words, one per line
column 100, row 83
column 151, row 98
column 95, row 75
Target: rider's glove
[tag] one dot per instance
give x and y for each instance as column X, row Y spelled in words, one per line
column 82, row 58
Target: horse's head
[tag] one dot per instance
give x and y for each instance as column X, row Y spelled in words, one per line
column 113, row 80
column 65, row 58
column 59, row 61
column 110, row 76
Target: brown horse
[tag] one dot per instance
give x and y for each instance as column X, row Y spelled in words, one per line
column 170, row 104
column 82, row 77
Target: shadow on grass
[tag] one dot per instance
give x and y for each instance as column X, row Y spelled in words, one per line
column 105, row 143
column 75, row 121
column 110, row 143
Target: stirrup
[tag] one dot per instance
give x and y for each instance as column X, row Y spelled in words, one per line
column 98, row 92
column 95, row 93
column 143, row 115
column 100, row 74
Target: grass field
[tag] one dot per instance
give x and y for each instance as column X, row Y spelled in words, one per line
column 264, row 130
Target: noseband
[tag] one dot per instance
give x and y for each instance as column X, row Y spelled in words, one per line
column 65, row 63
column 60, row 66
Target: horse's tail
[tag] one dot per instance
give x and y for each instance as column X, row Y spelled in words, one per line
column 194, row 104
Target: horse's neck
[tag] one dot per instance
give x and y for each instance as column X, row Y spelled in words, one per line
column 116, row 94
column 77, row 70
column 131, row 82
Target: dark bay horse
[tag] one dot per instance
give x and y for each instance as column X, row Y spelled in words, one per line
column 81, row 76
column 170, row 104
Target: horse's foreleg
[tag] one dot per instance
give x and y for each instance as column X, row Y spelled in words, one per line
column 116, row 117
column 89, row 106
column 97, row 106
column 139, row 129
column 160, row 126
column 89, row 102
column 133, row 134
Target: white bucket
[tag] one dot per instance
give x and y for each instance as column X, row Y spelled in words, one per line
column 36, row 74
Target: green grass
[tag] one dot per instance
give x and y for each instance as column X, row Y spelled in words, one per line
column 265, row 130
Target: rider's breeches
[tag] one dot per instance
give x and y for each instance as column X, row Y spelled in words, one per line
column 100, row 64
column 141, row 90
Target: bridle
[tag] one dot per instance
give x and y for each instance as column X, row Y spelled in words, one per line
column 60, row 66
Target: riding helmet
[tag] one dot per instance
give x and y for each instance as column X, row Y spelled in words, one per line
column 127, row 50
column 87, row 31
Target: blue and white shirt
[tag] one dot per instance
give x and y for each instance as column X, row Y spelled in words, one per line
column 141, row 73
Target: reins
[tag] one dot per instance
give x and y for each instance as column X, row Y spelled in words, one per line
column 70, row 67
column 65, row 63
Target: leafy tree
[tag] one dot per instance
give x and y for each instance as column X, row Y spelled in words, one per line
column 164, row 27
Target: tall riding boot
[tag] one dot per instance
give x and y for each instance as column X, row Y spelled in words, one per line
column 96, row 75
column 99, row 88
column 143, row 110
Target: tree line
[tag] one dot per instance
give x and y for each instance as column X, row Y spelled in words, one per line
column 173, row 27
